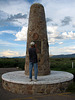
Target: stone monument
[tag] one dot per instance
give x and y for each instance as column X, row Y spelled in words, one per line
column 54, row 82
column 37, row 32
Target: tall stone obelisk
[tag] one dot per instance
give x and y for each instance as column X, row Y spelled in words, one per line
column 37, row 32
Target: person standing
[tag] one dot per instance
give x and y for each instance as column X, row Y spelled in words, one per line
column 33, row 61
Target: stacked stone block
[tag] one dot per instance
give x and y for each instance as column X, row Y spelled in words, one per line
column 37, row 32
column 36, row 88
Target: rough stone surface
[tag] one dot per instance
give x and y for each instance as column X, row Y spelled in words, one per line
column 36, row 88
column 37, row 32
column 17, row 82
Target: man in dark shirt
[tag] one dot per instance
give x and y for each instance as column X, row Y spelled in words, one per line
column 33, row 61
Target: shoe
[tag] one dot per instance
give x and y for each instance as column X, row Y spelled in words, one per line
column 30, row 80
column 35, row 80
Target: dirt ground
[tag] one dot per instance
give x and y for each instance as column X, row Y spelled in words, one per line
column 6, row 95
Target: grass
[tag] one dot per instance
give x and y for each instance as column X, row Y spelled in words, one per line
column 64, row 64
column 12, row 62
column 71, row 88
column 58, row 64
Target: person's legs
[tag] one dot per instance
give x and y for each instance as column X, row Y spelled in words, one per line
column 36, row 70
column 30, row 69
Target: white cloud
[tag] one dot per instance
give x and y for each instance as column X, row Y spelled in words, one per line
column 9, row 53
column 20, row 22
column 68, row 35
column 52, row 30
column 60, row 42
column 71, row 35
column 57, row 10
column 54, row 36
column 3, row 15
column 51, row 40
column 73, row 24
column 14, row 7
column 22, row 35
column 52, row 33
column 8, row 31
column 64, row 35
column 68, row 50
column 54, row 9
column 6, row 43
column 62, row 50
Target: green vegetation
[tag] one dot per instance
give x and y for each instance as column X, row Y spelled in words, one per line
column 59, row 64
column 71, row 88
column 63, row 64
column 12, row 62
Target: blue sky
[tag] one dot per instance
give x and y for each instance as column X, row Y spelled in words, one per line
column 60, row 20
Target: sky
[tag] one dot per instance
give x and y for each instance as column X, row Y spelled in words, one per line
column 60, row 21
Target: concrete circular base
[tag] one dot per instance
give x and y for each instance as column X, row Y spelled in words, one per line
column 18, row 82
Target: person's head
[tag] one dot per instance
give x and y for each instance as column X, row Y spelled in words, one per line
column 32, row 44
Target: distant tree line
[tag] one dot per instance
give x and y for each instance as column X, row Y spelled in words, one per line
column 62, row 64
column 12, row 62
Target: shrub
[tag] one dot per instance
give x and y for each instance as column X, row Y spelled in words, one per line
column 12, row 62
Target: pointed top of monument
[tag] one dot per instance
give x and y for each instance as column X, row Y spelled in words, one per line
column 36, row 4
